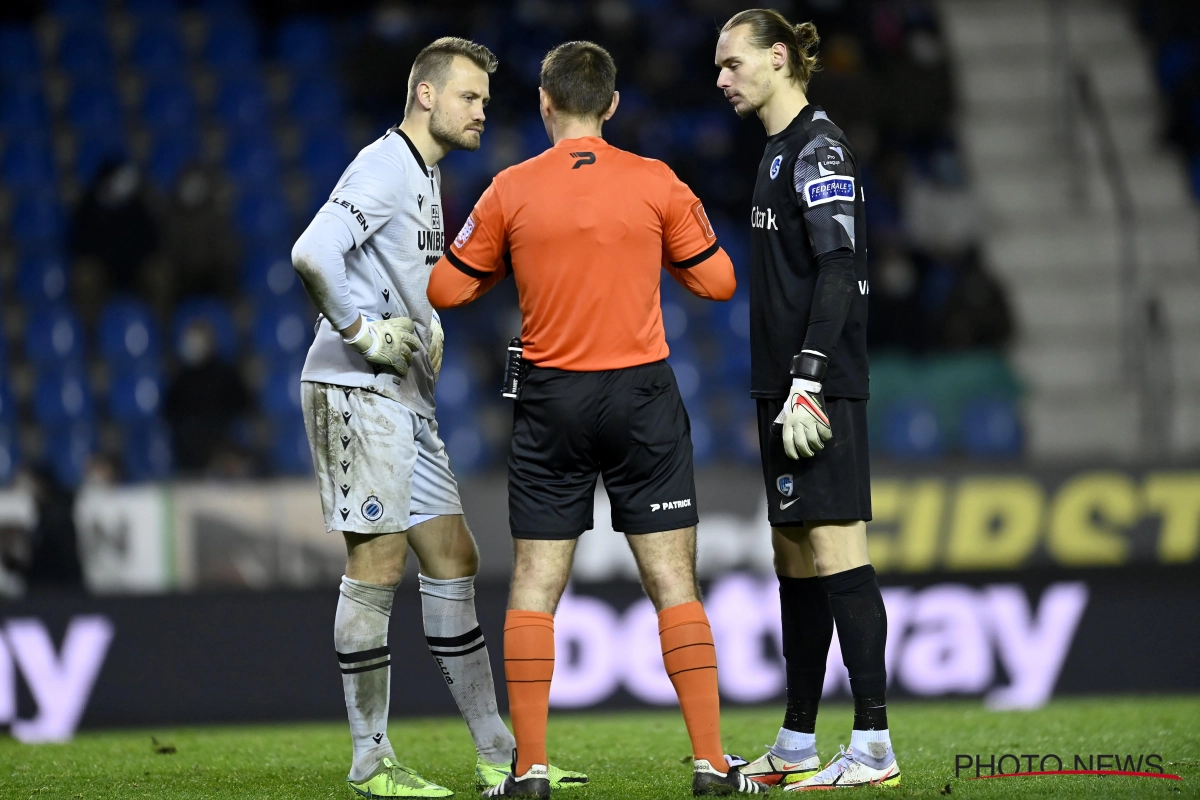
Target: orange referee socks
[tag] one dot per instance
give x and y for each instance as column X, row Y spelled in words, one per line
column 691, row 662
column 529, row 666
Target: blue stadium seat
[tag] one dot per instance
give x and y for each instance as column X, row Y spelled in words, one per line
column 42, row 278
column 242, row 102
column 263, row 217
column 912, row 430
column 128, row 333
column 18, row 51
column 95, row 105
column 169, row 104
column 99, row 147
column 317, row 102
column 158, row 49
column 23, row 106
column 283, row 331
column 268, row 276
column 36, row 219
column 8, row 406
column 454, row 387
column 10, row 456
column 1176, row 59
column 232, row 45
column 61, row 396
column 90, row 9
column 172, row 151
column 991, row 428
column 28, row 162
column 54, row 338
column 281, row 392
column 304, row 43
column 290, row 454
column 135, row 395
column 68, row 449
column 147, row 451
column 152, row 8
column 325, row 152
column 465, row 444
column 253, row 161
column 84, row 50
column 217, row 313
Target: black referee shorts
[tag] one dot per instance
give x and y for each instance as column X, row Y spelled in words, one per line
column 833, row 485
column 628, row 425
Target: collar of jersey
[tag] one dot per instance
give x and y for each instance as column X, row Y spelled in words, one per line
column 590, row 141
column 804, row 116
column 416, row 153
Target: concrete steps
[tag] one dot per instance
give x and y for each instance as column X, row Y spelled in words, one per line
column 1061, row 259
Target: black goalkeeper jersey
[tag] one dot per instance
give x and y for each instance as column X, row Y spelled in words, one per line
column 807, row 202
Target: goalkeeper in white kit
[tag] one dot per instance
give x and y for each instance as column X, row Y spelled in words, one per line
column 368, row 396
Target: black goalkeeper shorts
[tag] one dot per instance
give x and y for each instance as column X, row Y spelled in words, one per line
column 833, row 485
column 628, row 425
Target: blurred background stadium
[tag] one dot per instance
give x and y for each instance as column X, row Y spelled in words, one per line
column 1031, row 172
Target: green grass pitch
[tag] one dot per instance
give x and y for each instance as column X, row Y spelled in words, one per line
column 628, row 755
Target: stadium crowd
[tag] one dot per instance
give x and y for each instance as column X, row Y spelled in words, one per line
column 158, row 158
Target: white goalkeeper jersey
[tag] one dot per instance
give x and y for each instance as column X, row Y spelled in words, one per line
column 392, row 204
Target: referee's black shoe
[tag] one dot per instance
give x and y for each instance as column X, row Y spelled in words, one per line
column 708, row 782
column 533, row 784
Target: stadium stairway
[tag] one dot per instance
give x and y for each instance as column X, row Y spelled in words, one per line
column 1059, row 258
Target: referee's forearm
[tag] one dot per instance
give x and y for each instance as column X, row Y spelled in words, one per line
column 450, row 287
column 712, row 278
column 832, row 295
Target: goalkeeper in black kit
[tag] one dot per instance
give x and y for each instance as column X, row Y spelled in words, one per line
column 808, row 354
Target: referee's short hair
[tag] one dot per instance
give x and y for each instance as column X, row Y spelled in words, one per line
column 580, row 78
column 432, row 65
column 768, row 27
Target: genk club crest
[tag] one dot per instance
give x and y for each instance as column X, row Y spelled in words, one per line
column 785, row 485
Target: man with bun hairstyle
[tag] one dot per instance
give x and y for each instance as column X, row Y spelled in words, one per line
column 585, row 230
column 808, row 356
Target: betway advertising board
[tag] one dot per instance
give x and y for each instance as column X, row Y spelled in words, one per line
column 271, row 535
column 210, row 657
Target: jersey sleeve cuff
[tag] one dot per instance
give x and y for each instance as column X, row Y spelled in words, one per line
column 699, row 258
column 465, row 268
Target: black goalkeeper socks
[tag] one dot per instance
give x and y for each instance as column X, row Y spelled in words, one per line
column 807, row 632
column 857, row 607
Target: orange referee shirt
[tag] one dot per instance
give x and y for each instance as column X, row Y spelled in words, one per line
column 585, row 229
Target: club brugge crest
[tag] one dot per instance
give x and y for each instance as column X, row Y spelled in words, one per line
column 775, row 167
column 372, row 509
column 785, row 485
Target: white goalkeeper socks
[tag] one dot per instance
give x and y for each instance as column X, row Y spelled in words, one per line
column 360, row 631
column 873, row 748
column 456, row 642
column 794, row 746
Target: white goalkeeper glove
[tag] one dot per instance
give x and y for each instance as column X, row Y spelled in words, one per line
column 803, row 423
column 437, row 343
column 389, row 343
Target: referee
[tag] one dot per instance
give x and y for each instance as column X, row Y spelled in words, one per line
column 808, row 354
column 585, row 230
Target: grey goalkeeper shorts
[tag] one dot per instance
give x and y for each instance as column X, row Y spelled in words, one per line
column 381, row 466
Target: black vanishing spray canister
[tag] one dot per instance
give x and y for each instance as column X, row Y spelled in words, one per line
column 514, row 370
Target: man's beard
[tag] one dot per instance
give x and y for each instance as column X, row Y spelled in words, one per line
column 441, row 130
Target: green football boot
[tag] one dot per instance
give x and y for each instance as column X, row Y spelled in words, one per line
column 488, row 775
column 393, row 780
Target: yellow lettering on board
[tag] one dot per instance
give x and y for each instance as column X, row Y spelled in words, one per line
column 995, row 523
column 1089, row 520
